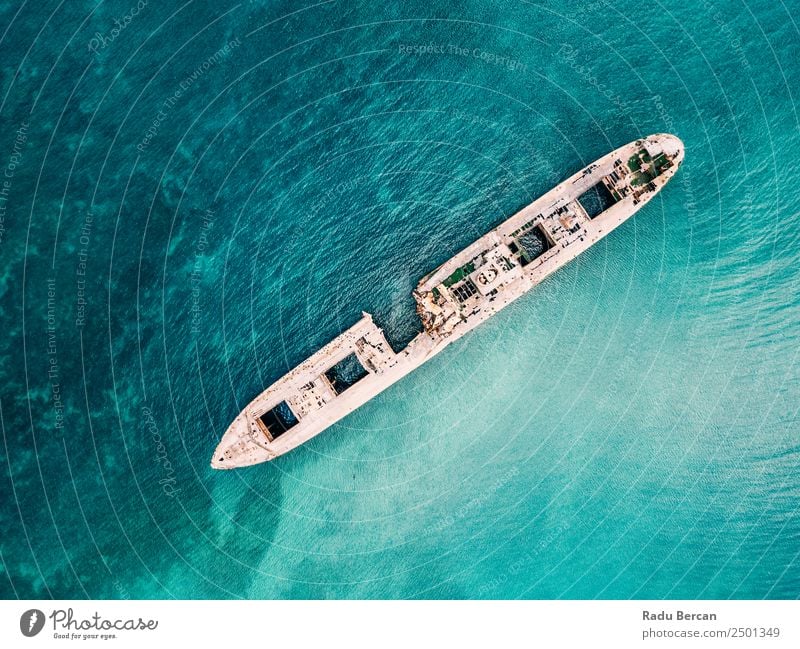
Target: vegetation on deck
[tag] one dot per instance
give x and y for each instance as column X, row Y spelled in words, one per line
column 459, row 274
column 645, row 168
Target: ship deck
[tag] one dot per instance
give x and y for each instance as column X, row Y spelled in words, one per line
column 469, row 288
column 543, row 236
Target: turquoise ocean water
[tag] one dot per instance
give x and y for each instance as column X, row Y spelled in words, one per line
column 197, row 196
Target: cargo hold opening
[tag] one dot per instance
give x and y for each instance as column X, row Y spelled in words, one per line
column 277, row 421
column 346, row 373
column 596, row 200
column 533, row 244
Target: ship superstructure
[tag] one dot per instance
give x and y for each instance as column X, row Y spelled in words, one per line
column 472, row 286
